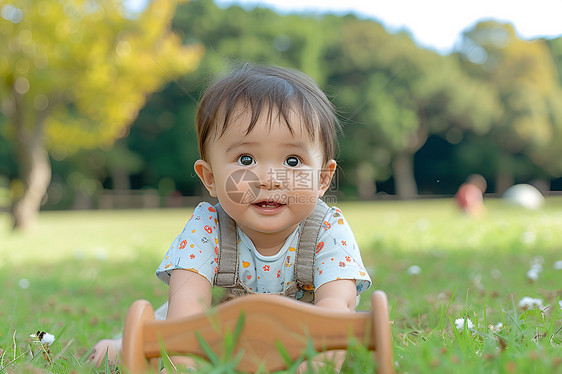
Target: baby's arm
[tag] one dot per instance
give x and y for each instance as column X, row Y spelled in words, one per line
column 189, row 293
column 339, row 295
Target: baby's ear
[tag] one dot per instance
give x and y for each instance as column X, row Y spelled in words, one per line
column 326, row 175
column 205, row 173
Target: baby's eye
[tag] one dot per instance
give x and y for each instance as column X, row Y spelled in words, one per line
column 292, row 161
column 246, row 160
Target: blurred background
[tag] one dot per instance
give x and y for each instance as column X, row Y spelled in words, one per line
column 98, row 98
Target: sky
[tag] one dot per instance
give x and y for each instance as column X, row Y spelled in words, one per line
column 433, row 24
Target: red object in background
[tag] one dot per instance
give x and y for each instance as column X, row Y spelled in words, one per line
column 469, row 197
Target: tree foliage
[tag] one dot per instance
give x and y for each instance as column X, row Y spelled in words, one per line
column 74, row 75
column 399, row 94
column 524, row 75
column 493, row 107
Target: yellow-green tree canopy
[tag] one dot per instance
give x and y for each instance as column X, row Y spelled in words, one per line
column 526, row 79
column 87, row 63
column 74, row 74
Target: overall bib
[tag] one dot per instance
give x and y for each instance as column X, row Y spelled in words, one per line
column 303, row 287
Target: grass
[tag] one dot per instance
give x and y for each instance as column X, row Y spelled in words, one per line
column 76, row 273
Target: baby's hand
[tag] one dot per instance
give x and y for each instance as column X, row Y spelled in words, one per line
column 329, row 361
column 110, row 346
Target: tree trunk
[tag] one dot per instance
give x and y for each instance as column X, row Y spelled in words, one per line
column 35, row 173
column 505, row 171
column 504, row 180
column 403, row 170
column 121, row 179
column 365, row 179
column 403, row 163
column 34, row 167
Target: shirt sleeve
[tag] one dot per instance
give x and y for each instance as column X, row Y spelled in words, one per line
column 196, row 248
column 337, row 254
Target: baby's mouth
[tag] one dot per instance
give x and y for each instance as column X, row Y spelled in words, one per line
column 268, row 204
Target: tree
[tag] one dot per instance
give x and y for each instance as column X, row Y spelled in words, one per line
column 526, row 80
column 74, row 75
column 163, row 133
column 552, row 157
column 397, row 95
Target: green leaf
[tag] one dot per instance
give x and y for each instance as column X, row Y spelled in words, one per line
column 167, row 362
column 230, row 339
column 283, row 352
column 212, row 356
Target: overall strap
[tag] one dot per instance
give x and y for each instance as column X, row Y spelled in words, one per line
column 306, row 249
column 227, row 275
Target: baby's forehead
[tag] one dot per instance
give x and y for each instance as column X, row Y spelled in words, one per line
column 245, row 119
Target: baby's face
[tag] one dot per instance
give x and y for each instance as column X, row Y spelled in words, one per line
column 269, row 180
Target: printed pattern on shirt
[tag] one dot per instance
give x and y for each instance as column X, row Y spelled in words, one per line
column 197, row 247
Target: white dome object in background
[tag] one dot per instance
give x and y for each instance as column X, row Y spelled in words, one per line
column 525, row 196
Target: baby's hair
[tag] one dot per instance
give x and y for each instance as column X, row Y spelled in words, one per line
column 270, row 88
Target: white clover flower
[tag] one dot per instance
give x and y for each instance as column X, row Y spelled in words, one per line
column 496, row 274
column 497, row 327
column 537, row 260
column 101, row 254
column 537, row 267
column 528, row 237
column 24, row 283
column 459, row 323
column 529, row 302
column 47, row 339
column 414, row 270
column 44, row 337
column 558, row 265
column 532, row 275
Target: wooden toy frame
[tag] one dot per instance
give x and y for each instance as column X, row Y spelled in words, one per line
column 269, row 320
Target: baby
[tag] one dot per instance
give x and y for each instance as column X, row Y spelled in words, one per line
column 267, row 145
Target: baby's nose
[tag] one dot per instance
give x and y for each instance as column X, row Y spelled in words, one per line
column 269, row 179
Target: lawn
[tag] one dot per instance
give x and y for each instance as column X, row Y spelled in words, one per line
column 77, row 272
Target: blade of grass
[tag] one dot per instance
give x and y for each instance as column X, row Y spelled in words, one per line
column 451, row 299
column 283, row 352
column 231, row 339
column 63, row 350
column 485, row 315
column 75, row 359
column 212, row 356
column 166, row 361
column 514, row 320
column 11, row 362
column 106, row 361
column 289, row 363
column 458, row 336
